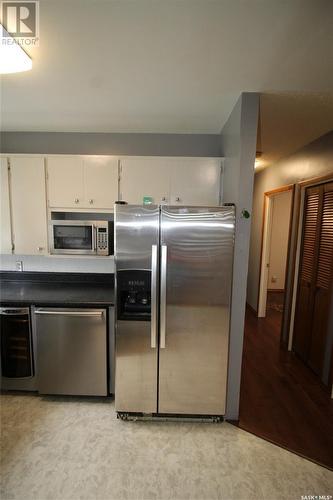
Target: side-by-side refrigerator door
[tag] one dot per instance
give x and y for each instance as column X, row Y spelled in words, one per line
column 196, row 271
column 136, row 261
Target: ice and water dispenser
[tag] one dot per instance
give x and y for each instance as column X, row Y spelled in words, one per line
column 134, row 295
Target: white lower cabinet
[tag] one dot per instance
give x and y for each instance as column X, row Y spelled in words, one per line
column 6, row 237
column 183, row 181
column 28, row 197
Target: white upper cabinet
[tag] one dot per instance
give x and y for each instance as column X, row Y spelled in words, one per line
column 195, row 181
column 183, row 181
column 6, row 237
column 141, row 177
column 65, row 181
column 28, row 197
column 82, row 181
column 100, row 181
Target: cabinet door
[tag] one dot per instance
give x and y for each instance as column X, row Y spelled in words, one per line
column 28, row 205
column 6, row 237
column 145, row 177
column 100, row 181
column 65, row 182
column 195, row 181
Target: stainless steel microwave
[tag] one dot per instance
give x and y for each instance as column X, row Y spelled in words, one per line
column 77, row 237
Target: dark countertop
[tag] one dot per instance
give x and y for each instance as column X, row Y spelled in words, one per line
column 50, row 289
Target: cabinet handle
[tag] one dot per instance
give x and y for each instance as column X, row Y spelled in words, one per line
column 40, row 249
column 177, row 198
column 76, row 200
column 91, row 201
column 164, row 198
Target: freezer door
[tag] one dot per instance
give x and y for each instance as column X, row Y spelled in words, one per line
column 196, row 272
column 136, row 258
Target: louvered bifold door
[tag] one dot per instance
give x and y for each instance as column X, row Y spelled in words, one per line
column 307, row 272
column 323, row 284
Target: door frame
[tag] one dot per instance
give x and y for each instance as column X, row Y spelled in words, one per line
column 265, row 244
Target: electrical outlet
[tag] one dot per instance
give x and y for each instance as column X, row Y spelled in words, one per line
column 19, row 265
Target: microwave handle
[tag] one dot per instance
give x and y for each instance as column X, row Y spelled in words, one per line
column 95, row 238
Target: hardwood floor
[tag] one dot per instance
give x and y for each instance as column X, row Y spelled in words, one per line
column 281, row 399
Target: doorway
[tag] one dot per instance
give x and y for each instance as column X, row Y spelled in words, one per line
column 275, row 242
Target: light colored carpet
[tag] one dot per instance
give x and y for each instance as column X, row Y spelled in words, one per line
column 59, row 448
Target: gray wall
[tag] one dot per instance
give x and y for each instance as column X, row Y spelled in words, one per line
column 239, row 138
column 314, row 160
column 111, row 144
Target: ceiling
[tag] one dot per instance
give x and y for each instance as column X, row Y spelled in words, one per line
column 288, row 121
column 165, row 66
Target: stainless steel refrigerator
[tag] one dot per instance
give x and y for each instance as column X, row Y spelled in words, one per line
column 173, row 274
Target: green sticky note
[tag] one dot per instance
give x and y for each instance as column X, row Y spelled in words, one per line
column 147, row 200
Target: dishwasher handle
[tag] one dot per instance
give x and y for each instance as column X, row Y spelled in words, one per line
column 70, row 313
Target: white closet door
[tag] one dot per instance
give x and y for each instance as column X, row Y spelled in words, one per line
column 6, row 237
column 28, row 205
column 145, row 177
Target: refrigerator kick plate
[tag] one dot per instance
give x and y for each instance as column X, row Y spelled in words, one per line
column 156, row 417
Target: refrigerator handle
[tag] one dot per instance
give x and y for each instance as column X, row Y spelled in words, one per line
column 153, row 331
column 163, row 295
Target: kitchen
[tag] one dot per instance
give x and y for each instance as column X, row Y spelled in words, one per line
column 127, row 152
column 68, row 344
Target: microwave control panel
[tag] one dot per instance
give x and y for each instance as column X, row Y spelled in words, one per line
column 102, row 240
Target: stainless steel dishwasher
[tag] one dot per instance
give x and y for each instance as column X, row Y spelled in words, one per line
column 72, row 351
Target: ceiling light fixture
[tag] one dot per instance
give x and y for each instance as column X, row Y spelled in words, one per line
column 13, row 59
column 258, row 162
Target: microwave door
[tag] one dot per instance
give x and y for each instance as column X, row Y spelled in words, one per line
column 68, row 237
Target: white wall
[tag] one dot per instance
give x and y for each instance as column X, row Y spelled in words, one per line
column 281, row 206
column 58, row 264
column 239, row 138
